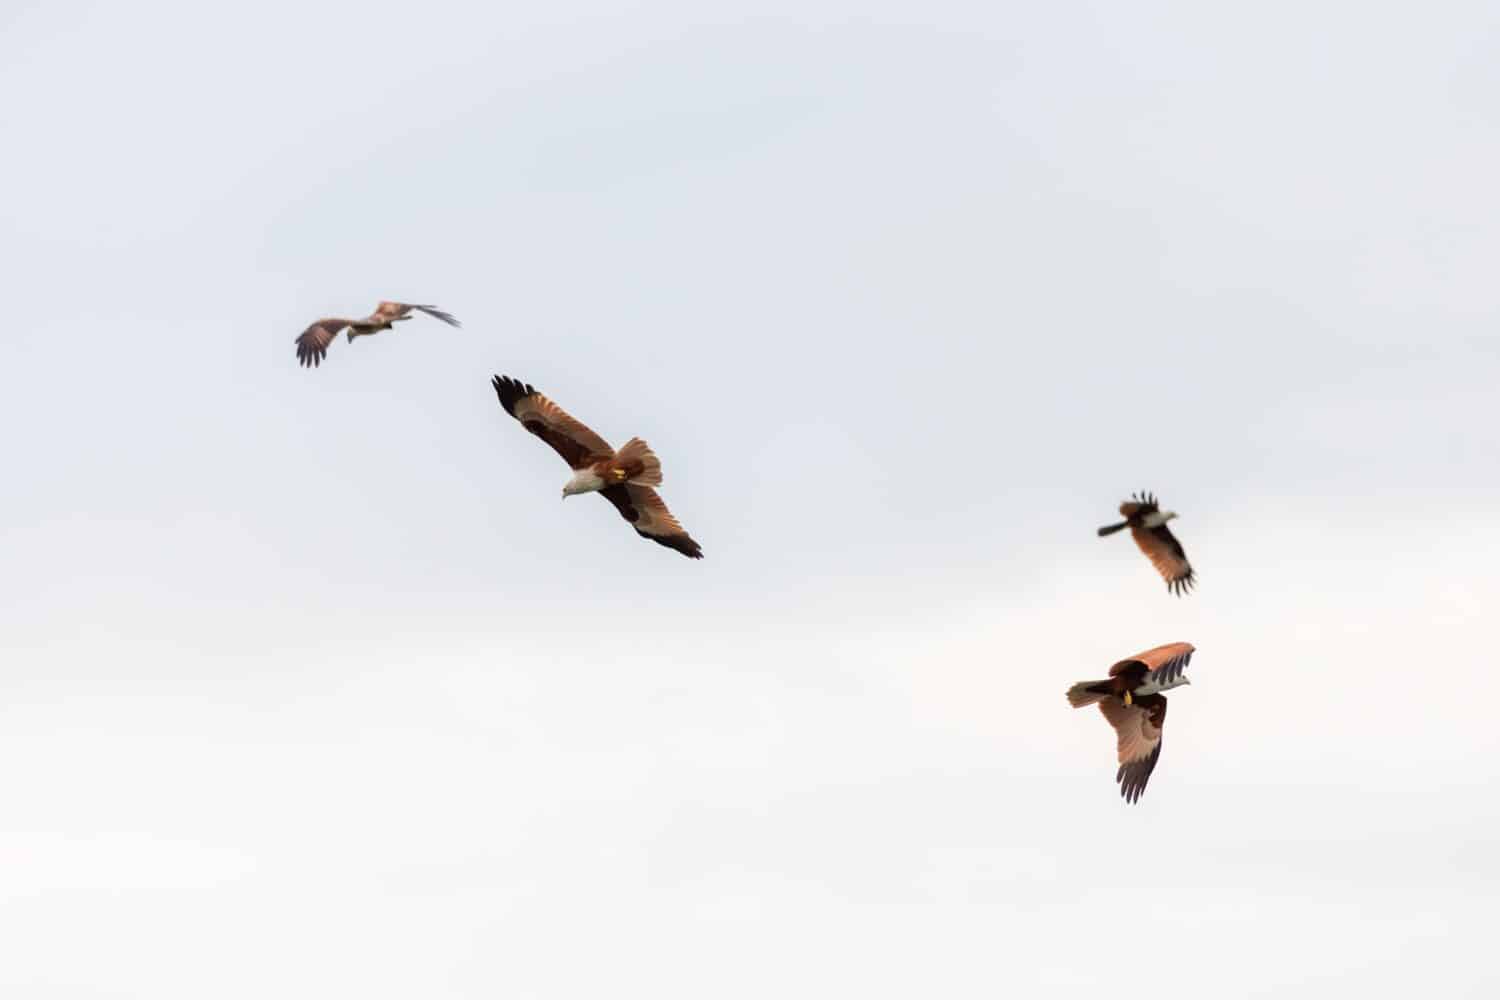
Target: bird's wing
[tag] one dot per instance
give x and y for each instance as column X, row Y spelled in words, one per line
column 1139, row 504
column 312, row 346
column 577, row 445
column 1165, row 664
column 1165, row 553
column 385, row 312
column 437, row 313
column 1138, row 739
column 644, row 508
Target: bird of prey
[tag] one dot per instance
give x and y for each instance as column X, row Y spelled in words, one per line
column 312, row 346
column 1148, row 526
column 1131, row 700
column 623, row 477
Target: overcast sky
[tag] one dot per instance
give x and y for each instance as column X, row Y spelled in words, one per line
column 310, row 686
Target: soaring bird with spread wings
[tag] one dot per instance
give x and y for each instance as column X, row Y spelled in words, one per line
column 312, row 346
column 1132, row 702
column 625, row 478
column 1148, row 526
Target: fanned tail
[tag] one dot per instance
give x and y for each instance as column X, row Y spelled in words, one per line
column 1087, row 693
column 639, row 463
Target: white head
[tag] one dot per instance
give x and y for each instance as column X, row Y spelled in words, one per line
column 583, row 481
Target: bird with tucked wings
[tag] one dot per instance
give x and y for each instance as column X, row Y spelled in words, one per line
column 312, row 346
column 625, row 477
column 1148, row 526
column 1133, row 704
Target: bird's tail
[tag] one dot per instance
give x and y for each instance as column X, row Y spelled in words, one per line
column 1110, row 529
column 639, row 463
column 1087, row 692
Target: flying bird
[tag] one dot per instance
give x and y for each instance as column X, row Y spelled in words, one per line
column 1148, row 526
column 1132, row 702
column 312, row 346
column 625, row 478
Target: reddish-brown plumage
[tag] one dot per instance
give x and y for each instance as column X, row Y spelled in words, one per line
column 313, row 344
column 628, row 474
column 1130, row 700
column 1155, row 540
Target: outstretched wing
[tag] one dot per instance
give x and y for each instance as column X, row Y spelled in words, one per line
column 437, row 313
column 577, row 445
column 1138, row 739
column 644, row 508
column 1165, row 664
column 1139, row 505
column 387, row 312
column 312, row 346
column 1165, row 553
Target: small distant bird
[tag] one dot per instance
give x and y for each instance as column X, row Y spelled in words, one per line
column 312, row 346
column 623, row 477
column 1148, row 526
column 1132, row 702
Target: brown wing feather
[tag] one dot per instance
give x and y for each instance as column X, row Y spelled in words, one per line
column 1138, row 506
column 1166, row 663
column 387, row 312
column 644, row 508
column 312, row 345
column 578, row 446
column 1160, row 665
column 1166, row 554
column 437, row 313
column 1138, row 739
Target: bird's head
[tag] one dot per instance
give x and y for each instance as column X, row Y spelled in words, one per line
column 583, row 481
column 1167, row 516
column 351, row 335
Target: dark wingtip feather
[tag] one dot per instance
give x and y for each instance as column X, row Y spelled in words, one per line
column 511, row 391
column 309, row 356
column 437, row 313
column 679, row 543
column 1134, row 774
column 1182, row 586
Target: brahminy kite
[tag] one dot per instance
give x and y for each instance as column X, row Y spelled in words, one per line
column 1132, row 702
column 312, row 346
column 1148, row 526
column 623, row 477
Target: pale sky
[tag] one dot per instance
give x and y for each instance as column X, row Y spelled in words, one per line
column 312, row 687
